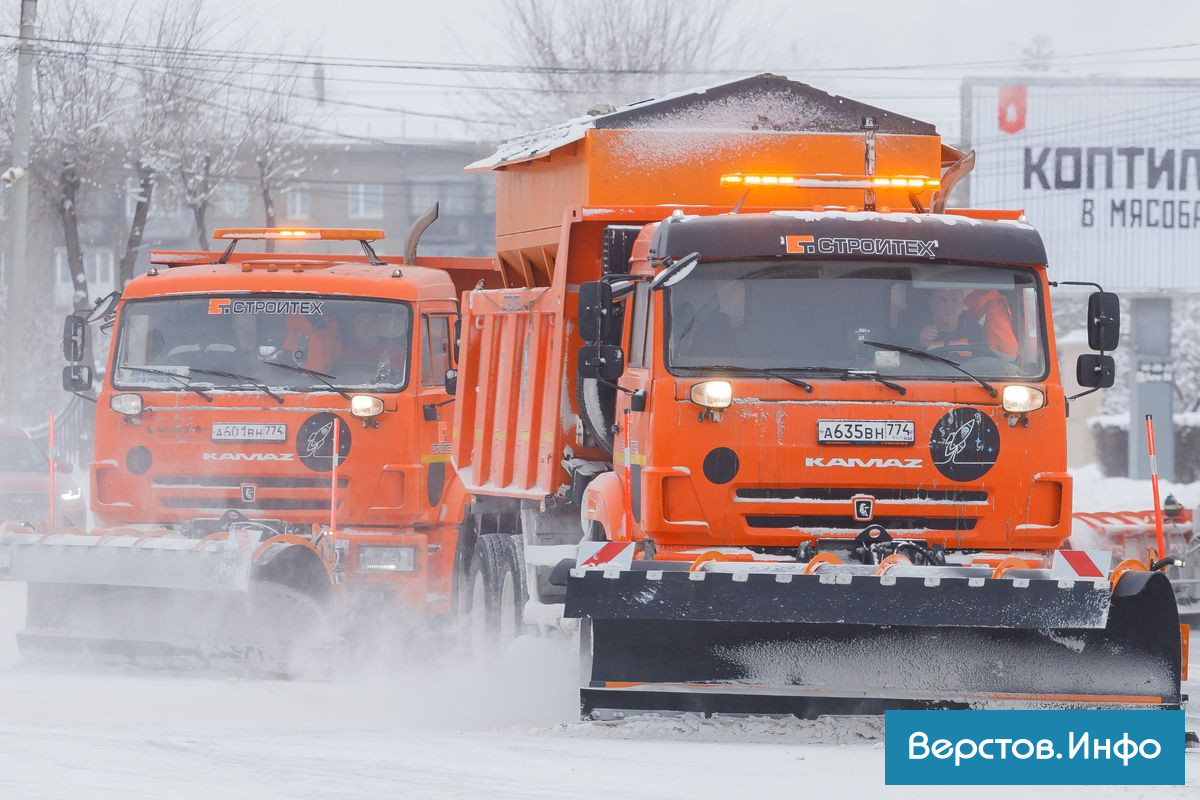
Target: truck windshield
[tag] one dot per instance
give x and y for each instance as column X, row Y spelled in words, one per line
column 823, row 315
column 167, row 344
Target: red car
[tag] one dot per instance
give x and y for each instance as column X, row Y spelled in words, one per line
column 25, row 483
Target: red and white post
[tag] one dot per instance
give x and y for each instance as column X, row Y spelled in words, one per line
column 333, row 481
column 1158, row 520
column 53, row 488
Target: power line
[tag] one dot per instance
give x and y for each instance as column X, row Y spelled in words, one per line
column 286, row 122
column 381, row 63
column 306, row 97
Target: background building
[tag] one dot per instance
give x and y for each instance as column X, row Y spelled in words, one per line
column 359, row 185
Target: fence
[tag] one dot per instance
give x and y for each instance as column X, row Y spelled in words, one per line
column 72, row 434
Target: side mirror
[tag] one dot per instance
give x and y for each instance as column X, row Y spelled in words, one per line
column 77, row 378
column 1095, row 372
column 1104, row 321
column 451, row 381
column 63, row 466
column 74, row 338
column 677, row 271
column 604, row 362
column 595, row 307
column 457, row 337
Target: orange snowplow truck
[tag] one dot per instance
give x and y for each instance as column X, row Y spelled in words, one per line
column 271, row 456
column 784, row 433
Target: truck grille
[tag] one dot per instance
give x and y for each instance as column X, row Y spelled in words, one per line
column 815, row 522
column 803, row 494
column 235, row 481
column 24, row 507
column 263, row 503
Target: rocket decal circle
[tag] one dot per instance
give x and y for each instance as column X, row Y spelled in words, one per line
column 314, row 441
column 964, row 444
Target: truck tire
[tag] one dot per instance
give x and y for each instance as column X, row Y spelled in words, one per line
column 308, row 645
column 492, row 597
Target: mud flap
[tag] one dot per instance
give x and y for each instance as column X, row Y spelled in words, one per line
column 813, row 645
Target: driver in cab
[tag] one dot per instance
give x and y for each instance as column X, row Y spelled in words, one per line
column 368, row 348
column 976, row 321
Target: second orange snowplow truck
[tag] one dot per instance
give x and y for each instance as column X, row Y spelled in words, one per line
column 271, row 459
column 785, row 434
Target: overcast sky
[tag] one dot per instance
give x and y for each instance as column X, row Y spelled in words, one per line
column 806, row 40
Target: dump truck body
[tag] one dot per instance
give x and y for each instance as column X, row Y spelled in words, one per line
column 715, row 371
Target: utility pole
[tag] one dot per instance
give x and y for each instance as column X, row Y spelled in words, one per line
column 17, row 176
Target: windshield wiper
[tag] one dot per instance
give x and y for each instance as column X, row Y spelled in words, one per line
column 770, row 373
column 172, row 376
column 847, row 373
column 912, row 351
column 262, row 387
column 321, row 376
column 872, row 375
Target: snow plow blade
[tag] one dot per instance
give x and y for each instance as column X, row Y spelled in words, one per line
column 132, row 559
column 160, row 601
column 749, row 642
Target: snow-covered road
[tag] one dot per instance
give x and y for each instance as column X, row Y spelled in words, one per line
column 427, row 731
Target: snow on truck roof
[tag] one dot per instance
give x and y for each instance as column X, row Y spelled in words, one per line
column 292, row 273
column 765, row 102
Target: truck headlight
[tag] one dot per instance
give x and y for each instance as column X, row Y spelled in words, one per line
column 378, row 558
column 1018, row 399
column 364, row 405
column 128, row 404
column 713, row 394
column 70, row 494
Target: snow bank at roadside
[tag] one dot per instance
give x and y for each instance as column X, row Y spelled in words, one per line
column 1094, row 492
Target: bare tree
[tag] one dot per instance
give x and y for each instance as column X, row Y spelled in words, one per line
column 1037, row 54
column 278, row 117
column 609, row 52
column 207, row 151
column 75, row 113
column 163, row 98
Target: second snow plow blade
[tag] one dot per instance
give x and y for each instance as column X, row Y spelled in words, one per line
column 161, row 600
column 852, row 642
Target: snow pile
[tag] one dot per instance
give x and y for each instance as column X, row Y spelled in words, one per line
column 1094, row 492
column 746, row 730
column 1183, row 419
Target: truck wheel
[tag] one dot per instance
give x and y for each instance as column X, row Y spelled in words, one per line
column 307, row 646
column 492, row 596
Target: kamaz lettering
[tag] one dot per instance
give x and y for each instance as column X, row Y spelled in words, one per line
column 865, row 463
column 248, row 457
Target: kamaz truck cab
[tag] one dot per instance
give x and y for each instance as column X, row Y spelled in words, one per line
column 816, row 372
column 271, row 453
